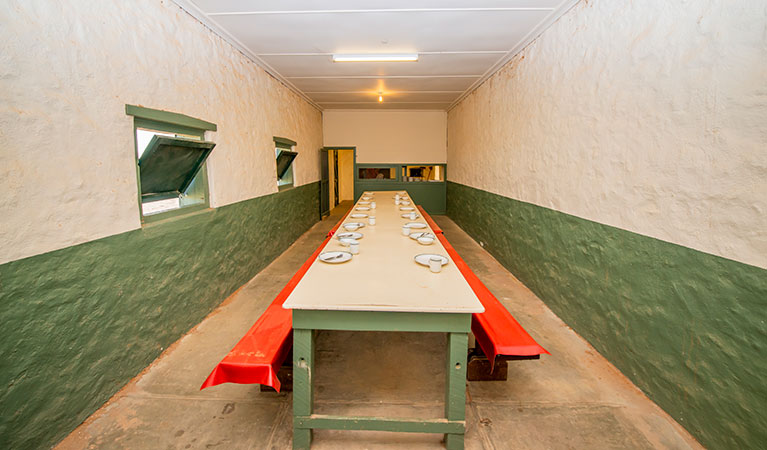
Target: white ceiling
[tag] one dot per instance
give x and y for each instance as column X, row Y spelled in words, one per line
column 460, row 44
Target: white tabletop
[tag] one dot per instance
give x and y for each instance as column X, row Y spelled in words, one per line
column 384, row 275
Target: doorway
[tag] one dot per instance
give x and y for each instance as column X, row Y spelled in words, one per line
column 339, row 192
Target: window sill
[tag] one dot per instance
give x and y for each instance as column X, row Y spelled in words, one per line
column 175, row 214
column 284, row 187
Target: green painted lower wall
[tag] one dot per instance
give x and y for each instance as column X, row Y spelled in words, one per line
column 688, row 328
column 79, row 323
column 430, row 195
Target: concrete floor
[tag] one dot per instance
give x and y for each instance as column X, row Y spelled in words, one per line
column 573, row 399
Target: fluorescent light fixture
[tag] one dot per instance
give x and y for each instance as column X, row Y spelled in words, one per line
column 386, row 57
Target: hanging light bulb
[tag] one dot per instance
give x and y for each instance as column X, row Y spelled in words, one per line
column 380, row 98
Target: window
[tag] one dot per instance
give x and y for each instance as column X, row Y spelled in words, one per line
column 285, row 154
column 434, row 173
column 376, row 173
column 170, row 154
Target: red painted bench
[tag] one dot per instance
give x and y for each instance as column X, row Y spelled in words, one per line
column 257, row 358
column 434, row 227
column 496, row 331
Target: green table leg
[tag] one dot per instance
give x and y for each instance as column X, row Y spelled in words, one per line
column 303, row 395
column 305, row 322
column 455, row 396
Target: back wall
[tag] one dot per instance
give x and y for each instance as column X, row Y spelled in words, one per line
column 389, row 136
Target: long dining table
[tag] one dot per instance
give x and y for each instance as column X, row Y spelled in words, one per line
column 382, row 289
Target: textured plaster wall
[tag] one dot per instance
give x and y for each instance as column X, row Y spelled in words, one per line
column 389, row 136
column 685, row 326
column 67, row 69
column 650, row 116
column 80, row 322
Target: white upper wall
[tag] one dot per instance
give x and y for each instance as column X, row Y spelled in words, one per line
column 650, row 116
column 67, row 69
column 389, row 136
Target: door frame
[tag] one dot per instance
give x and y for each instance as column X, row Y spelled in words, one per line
column 323, row 153
column 335, row 178
column 324, row 171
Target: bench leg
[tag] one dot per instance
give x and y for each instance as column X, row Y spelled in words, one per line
column 303, row 395
column 455, row 395
column 481, row 369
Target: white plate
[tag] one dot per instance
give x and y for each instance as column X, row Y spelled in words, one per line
column 415, row 225
column 407, row 216
column 351, row 226
column 423, row 259
column 362, row 208
column 349, row 235
column 336, row 257
column 366, row 198
column 358, row 216
column 406, row 208
column 415, row 236
column 347, row 241
column 405, row 203
column 364, row 203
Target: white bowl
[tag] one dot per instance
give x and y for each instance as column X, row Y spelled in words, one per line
column 351, row 226
column 425, row 240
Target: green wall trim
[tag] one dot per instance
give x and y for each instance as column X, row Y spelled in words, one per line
column 282, row 142
column 169, row 117
column 429, row 194
column 80, row 322
column 432, row 196
column 687, row 327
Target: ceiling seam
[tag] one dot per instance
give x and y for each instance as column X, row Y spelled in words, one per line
column 369, row 11
column 206, row 20
column 450, row 52
column 195, row 12
column 529, row 38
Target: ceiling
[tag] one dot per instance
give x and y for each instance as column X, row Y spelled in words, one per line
column 460, row 44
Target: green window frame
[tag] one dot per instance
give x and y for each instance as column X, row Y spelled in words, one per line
column 287, row 147
column 436, row 173
column 393, row 167
column 188, row 132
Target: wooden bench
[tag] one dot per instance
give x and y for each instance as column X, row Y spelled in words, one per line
column 500, row 337
column 259, row 355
